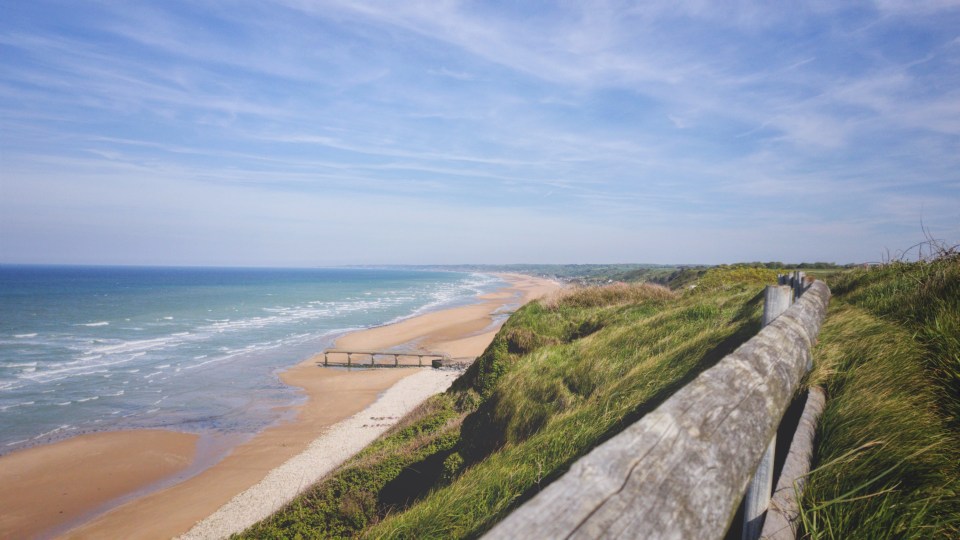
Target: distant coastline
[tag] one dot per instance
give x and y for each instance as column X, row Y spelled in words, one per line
column 334, row 395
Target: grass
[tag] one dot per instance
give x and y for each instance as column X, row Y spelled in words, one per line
column 567, row 373
column 887, row 462
column 561, row 376
column 346, row 502
column 563, row 400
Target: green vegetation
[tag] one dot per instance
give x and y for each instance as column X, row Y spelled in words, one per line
column 887, row 463
column 357, row 494
column 674, row 276
column 562, row 376
column 582, row 274
column 566, row 373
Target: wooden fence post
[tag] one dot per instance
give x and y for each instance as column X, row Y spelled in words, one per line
column 798, row 284
column 776, row 300
column 783, row 516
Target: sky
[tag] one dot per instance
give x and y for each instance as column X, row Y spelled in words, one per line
column 314, row 133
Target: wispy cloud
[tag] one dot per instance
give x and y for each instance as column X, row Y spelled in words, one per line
column 633, row 120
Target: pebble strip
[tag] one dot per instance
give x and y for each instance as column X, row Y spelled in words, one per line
column 327, row 452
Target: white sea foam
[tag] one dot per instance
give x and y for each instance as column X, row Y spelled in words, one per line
column 10, row 385
column 86, row 366
column 135, row 345
column 18, row 364
column 217, row 359
column 52, row 431
column 317, row 310
column 446, row 293
column 159, row 355
column 21, row 404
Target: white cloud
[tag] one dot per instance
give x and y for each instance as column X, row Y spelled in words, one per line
column 614, row 117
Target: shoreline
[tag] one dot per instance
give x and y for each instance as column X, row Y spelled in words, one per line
column 333, row 397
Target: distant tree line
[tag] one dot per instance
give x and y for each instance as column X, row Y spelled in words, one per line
column 802, row 266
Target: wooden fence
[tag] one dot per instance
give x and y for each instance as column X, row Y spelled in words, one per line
column 681, row 471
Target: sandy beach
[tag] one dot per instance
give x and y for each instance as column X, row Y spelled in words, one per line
column 55, row 490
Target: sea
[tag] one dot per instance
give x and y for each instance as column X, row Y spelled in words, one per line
column 86, row 349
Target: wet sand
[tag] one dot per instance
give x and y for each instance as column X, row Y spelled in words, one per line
column 334, row 395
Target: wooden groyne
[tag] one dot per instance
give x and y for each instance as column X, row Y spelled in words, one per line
column 359, row 358
column 682, row 470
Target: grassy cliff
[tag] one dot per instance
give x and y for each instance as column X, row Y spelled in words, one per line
column 561, row 376
column 565, row 374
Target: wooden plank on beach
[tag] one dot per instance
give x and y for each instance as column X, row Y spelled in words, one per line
column 373, row 355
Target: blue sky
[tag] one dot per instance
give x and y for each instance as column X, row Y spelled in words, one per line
column 300, row 133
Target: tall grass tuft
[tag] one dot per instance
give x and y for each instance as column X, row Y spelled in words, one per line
column 887, row 462
column 609, row 295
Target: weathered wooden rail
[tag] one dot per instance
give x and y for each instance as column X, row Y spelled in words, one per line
column 681, row 471
column 371, row 357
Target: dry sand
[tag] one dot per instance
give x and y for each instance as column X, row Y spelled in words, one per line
column 324, row 454
column 336, row 398
column 460, row 332
column 334, row 395
column 58, row 482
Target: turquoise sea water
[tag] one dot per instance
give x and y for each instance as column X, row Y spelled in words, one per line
column 98, row 348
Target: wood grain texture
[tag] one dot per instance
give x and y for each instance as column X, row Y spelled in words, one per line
column 681, row 470
column 776, row 300
column 783, row 514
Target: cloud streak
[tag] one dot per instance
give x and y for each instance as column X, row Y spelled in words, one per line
column 633, row 120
